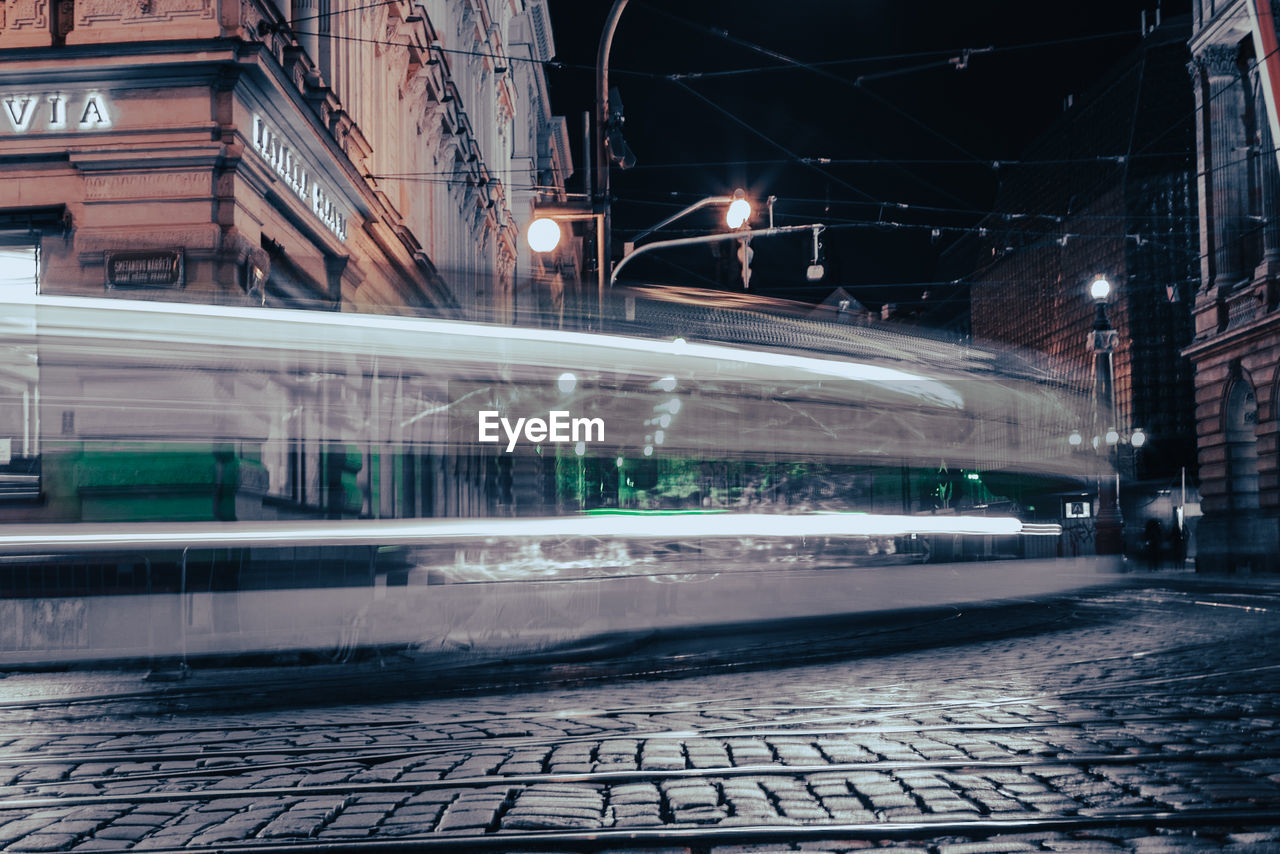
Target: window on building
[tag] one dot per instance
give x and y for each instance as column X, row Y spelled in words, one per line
column 19, row 387
column 19, row 264
column 1242, row 445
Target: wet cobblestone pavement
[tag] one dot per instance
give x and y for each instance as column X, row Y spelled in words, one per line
column 1149, row 724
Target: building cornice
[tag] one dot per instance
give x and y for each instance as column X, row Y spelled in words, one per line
column 1229, row 26
column 1262, row 330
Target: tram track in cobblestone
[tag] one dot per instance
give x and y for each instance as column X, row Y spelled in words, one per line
column 374, row 752
column 367, row 754
column 153, row 752
column 641, row 775
column 367, row 759
column 852, row 713
column 707, row 840
column 1122, row 746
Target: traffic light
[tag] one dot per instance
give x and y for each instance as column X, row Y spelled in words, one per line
column 619, row 152
column 744, row 257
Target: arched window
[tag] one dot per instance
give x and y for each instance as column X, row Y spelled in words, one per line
column 1242, row 446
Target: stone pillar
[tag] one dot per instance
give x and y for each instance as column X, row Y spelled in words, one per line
column 305, row 18
column 1228, row 179
column 1269, row 188
column 1195, row 68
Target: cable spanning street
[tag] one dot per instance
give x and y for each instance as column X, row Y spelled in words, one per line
column 1136, row 719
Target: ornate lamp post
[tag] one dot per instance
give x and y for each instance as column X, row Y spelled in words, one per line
column 1109, row 524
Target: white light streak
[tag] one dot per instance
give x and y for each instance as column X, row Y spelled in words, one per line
column 102, row 537
column 290, row 328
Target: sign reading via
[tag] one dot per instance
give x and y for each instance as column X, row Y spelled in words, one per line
column 54, row 111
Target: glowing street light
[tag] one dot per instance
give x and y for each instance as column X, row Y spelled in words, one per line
column 543, row 234
column 1100, row 289
column 739, row 210
column 1108, row 524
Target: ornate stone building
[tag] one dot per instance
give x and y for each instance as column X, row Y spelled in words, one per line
column 352, row 157
column 372, row 156
column 1107, row 190
column 1236, row 349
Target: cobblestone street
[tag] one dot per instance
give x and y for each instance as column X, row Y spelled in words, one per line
column 1146, row 723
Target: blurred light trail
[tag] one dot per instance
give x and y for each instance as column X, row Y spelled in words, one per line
column 276, row 328
column 88, row 537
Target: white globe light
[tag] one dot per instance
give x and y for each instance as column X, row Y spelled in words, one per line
column 543, row 234
column 739, row 213
column 1112, row 437
column 1075, row 439
column 566, row 382
column 1100, row 289
column 1138, row 439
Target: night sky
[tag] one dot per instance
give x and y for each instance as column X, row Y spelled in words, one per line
column 753, row 115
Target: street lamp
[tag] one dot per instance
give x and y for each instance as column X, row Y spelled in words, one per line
column 1109, row 524
column 543, row 234
column 737, row 214
column 739, row 210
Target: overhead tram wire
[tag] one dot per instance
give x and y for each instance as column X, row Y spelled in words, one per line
column 774, row 54
column 792, row 62
column 486, row 54
column 333, row 13
column 1006, row 217
column 748, row 126
column 798, row 64
column 1001, row 163
column 888, row 57
column 855, row 84
column 1192, row 116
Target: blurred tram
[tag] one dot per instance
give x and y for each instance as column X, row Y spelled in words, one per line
column 212, row 480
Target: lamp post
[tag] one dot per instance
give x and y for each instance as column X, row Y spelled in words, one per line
column 601, row 203
column 543, row 234
column 1109, row 524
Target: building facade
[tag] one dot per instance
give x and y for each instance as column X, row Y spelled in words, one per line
column 1236, row 350
column 1107, row 191
column 378, row 157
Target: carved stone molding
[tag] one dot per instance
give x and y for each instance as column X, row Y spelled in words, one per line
column 1221, row 60
column 91, row 13
column 105, row 188
column 192, row 237
column 26, row 24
